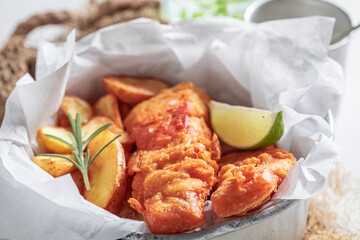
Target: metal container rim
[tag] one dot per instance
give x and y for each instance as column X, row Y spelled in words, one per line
column 249, row 12
column 225, row 227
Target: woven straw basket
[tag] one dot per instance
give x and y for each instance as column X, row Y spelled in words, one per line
column 16, row 60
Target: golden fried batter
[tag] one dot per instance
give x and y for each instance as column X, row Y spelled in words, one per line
column 175, row 161
column 249, row 182
column 236, row 156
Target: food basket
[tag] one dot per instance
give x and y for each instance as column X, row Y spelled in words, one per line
column 276, row 214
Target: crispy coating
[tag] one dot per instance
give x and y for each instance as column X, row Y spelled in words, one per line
column 249, row 182
column 174, row 165
column 234, row 157
column 174, row 116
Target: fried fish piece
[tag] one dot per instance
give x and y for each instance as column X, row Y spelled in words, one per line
column 249, row 183
column 176, row 115
column 235, row 156
column 175, row 161
column 174, row 197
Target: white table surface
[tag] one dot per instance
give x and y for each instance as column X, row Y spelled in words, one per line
column 347, row 125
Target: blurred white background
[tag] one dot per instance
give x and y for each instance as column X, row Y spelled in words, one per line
column 347, row 122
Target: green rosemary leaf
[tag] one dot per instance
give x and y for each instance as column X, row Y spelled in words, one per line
column 101, row 149
column 60, row 140
column 97, row 132
column 84, row 135
column 78, row 136
column 78, row 159
column 72, row 124
column 72, row 139
column 60, row 156
column 81, row 162
column 87, row 157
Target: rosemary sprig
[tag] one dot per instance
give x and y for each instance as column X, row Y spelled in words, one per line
column 79, row 144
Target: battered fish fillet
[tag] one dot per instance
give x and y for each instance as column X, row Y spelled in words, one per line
column 237, row 156
column 174, row 166
column 249, row 182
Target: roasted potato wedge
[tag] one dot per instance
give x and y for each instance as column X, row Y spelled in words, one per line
column 124, row 110
column 108, row 106
column 55, row 166
column 99, row 121
column 51, row 145
column 133, row 90
column 126, row 210
column 63, row 120
column 107, row 174
column 78, row 180
column 72, row 105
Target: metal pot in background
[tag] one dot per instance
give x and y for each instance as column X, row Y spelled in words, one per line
column 266, row 10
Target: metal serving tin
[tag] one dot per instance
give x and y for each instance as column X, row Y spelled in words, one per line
column 266, row 10
column 284, row 220
column 281, row 220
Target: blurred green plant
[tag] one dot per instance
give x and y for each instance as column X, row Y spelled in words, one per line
column 214, row 8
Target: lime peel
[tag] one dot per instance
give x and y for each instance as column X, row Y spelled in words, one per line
column 246, row 128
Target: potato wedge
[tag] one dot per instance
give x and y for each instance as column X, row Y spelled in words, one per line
column 108, row 106
column 51, row 145
column 63, row 120
column 99, row 121
column 55, row 166
column 126, row 210
column 133, row 90
column 78, row 180
column 124, row 110
column 107, row 174
column 72, row 105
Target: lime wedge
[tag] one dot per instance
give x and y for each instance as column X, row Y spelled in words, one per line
column 245, row 128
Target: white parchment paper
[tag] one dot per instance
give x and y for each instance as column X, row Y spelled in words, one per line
column 280, row 65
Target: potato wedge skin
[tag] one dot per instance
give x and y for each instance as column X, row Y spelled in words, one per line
column 108, row 106
column 124, row 110
column 63, row 120
column 132, row 90
column 72, row 104
column 78, row 180
column 51, row 145
column 107, row 174
column 98, row 121
column 55, row 166
column 126, row 211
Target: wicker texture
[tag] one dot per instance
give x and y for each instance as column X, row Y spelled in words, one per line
column 16, row 60
column 335, row 213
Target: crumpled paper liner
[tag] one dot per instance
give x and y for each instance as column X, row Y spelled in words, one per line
column 270, row 66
